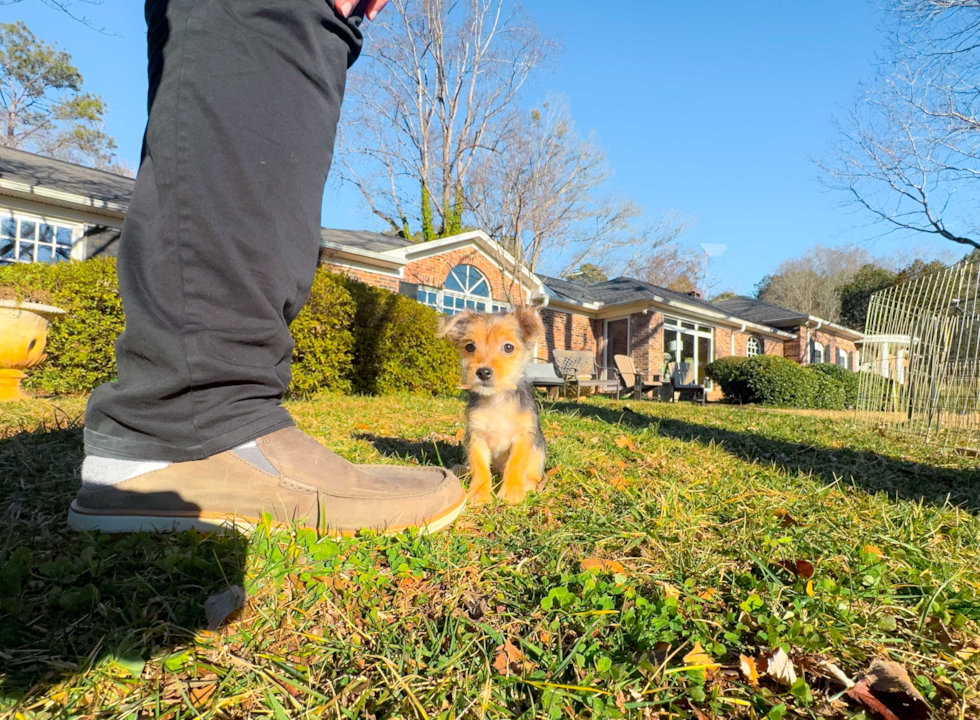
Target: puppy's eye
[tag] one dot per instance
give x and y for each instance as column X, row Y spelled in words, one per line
column 470, row 347
column 509, row 348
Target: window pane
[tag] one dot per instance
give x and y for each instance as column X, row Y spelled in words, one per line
column 26, row 251
column 471, row 305
column 420, row 295
column 687, row 325
column 432, row 299
column 704, row 357
column 63, row 235
column 481, row 288
column 7, row 248
column 46, row 234
column 453, row 282
column 62, row 252
column 8, row 227
column 482, row 307
column 44, row 253
column 669, row 321
column 460, row 303
column 27, row 229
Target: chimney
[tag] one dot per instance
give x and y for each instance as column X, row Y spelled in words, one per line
column 695, row 294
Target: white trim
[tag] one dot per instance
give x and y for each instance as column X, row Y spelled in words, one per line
column 52, row 194
column 353, row 254
column 363, row 267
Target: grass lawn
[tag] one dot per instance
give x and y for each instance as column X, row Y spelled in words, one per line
column 712, row 533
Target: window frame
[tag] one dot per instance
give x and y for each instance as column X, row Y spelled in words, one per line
column 436, row 298
column 759, row 346
column 69, row 251
column 678, row 327
column 814, row 345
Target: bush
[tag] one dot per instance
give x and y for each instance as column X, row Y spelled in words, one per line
column 395, row 345
column 324, row 344
column 775, row 380
column 728, row 373
column 847, row 378
column 81, row 344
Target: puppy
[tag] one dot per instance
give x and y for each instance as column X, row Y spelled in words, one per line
column 503, row 431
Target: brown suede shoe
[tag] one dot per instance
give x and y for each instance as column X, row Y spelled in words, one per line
column 288, row 475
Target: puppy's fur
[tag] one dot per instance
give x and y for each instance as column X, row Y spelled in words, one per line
column 503, row 432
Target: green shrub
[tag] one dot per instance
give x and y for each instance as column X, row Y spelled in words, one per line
column 395, row 345
column 775, row 380
column 847, row 378
column 728, row 373
column 81, row 344
column 324, row 343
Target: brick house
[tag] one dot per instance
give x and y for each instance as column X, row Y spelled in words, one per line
column 52, row 210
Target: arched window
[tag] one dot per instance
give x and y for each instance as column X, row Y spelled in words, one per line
column 466, row 288
column 816, row 352
column 753, row 347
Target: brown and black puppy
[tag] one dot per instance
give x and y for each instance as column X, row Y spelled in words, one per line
column 503, row 432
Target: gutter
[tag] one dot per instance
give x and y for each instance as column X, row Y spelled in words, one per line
column 13, row 188
column 346, row 252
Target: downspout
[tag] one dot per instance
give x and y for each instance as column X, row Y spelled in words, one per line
column 732, row 351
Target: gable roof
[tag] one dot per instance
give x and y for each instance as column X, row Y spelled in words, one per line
column 362, row 239
column 34, row 174
column 758, row 311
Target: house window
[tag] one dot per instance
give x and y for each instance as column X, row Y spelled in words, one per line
column 816, row 352
column 466, row 289
column 691, row 344
column 753, row 347
column 841, row 358
column 850, row 361
column 32, row 240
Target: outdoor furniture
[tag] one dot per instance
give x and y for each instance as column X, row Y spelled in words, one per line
column 580, row 367
column 632, row 380
column 681, row 376
column 543, row 375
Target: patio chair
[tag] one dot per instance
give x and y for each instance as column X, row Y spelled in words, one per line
column 632, row 380
column 681, row 376
column 543, row 376
column 580, row 367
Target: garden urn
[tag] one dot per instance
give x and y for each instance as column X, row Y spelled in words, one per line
column 23, row 335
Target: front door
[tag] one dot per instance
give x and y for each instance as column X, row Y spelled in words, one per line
column 617, row 343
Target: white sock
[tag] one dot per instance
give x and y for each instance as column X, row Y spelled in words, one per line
column 101, row 471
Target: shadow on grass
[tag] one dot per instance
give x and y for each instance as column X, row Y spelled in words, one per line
column 72, row 601
column 868, row 470
column 425, row 452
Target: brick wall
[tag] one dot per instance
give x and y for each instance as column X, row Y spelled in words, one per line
column 829, row 341
column 432, row 272
column 377, row 279
column 565, row 331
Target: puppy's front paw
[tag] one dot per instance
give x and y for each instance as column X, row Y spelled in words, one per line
column 512, row 493
column 479, row 496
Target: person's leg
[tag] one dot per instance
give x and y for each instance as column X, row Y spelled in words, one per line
column 221, row 239
column 217, row 255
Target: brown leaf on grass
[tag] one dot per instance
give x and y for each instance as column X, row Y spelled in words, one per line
column 509, row 660
column 602, row 565
column 201, row 694
column 669, row 590
column 785, row 518
column 890, row 684
column 804, row 569
column 219, row 606
column 780, row 668
column 749, row 670
column 861, row 692
column 698, row 657
column 553, row 471
column 622, row 464
column 362, row 427
column 872, row 550
column 708, row 594
column 625, row 442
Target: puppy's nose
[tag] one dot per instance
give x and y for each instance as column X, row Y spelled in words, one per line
column 484, row 373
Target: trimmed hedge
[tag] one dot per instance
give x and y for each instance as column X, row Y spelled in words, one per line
column 349, row 336
column 81, row 344
column 396, row 348
column 323, row 342
column 775, row 380
column 847, row 378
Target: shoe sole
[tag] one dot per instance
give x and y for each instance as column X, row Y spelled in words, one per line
column 86, row 520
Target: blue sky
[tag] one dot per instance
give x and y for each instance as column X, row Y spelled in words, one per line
column 713, row 109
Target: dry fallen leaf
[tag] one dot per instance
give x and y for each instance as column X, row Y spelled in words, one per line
column 784, row 517
column 749, row 670
column 708, row 594
column 861, row 692
column 510, row 660
column 624, row 442
column 669, row 590
column 872, row 550
column 804, row 569
column 780, row 668
column 602, row 565
column 362, row 427
column 200, row 695
column 698, row 657
column 220, row 605
column 890, row 684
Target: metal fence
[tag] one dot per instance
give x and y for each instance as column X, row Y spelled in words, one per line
column 921, row 372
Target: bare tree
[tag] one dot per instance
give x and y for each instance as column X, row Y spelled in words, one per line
column 541, row 195
column 809, row 283
column 671, row 266
column 65, row 6
column 909, row 150
column 435, row 93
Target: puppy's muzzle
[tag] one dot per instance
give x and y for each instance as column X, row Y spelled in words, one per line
column 484, row 374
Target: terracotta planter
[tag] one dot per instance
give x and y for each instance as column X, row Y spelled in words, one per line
column 23, row 335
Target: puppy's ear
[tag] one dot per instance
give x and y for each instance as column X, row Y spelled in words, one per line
column 453, row 327
column 530, row 323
